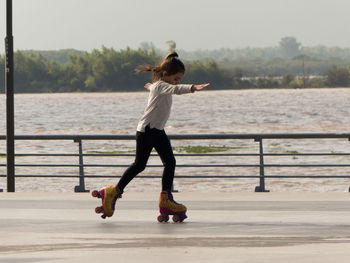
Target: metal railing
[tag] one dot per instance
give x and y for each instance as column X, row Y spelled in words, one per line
column 261, row 155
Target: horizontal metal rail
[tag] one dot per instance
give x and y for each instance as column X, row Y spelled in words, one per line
column 184, row 165
column 178, row 154
column 182, row 176
column 254, row 136
column 261, row 165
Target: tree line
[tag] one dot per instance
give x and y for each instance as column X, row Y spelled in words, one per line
column 287, row 48
column 110, row 70
column 98, row 71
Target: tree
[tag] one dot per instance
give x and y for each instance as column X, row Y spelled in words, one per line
column 338, row 77
column 171, row 45
column 289, row 47
column 287, row 79
column 148, row 46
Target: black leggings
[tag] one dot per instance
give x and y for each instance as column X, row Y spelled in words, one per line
column 145, row 141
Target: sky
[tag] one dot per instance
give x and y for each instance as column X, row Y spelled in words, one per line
column 192, row 24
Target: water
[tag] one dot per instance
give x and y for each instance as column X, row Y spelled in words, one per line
column 236, row 111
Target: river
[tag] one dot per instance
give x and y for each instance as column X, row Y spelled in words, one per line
column 234, row 111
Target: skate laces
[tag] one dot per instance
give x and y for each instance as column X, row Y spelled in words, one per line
column 118, row 195
column 171, row 198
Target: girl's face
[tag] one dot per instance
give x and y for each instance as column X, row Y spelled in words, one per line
column 172, row 79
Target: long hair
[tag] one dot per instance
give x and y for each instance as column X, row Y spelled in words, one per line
column 170, row 64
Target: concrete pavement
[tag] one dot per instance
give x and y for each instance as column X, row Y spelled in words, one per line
column 222, row 227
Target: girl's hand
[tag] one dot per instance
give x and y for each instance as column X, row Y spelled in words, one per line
column 200, row 87
column 147, row 85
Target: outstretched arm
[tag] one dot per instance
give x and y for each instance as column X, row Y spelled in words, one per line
column 178, row 89
column 199, row 87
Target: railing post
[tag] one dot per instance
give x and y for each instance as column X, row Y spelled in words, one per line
column 349, row 140
column 261, row 187
column 81, row 187
column 10, row 119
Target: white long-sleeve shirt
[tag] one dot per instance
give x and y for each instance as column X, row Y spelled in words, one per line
column 159, row 103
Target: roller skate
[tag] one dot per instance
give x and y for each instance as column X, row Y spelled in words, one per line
column 109, row 195
column 167, row 206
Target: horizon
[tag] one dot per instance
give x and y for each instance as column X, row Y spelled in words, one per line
column 165, row 48
column 233, row 24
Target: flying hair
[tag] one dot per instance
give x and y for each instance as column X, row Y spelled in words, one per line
column 170, row 64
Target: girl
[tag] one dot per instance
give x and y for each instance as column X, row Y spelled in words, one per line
column 150, row 134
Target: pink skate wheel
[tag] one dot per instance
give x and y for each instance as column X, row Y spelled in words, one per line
column 96, row 193
column 176, row 218
column 98, row 209
column 163, row 218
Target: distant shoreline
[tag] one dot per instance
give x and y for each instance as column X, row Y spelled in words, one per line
column 108, row 70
